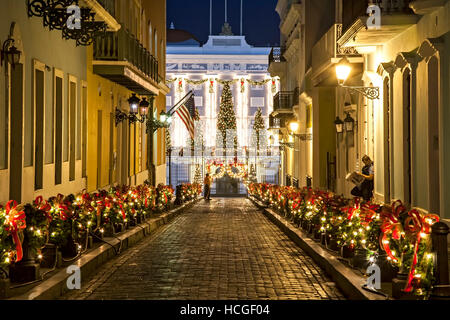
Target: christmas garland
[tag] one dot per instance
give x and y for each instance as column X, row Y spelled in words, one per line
column 402, row 235
column 169, row 81
column 223, row 82
column 62, row 218
column 196, row 82
column 258, row 83
column 229, row 82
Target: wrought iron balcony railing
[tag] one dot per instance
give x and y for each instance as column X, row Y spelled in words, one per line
column 123, row 46
column 283, row 100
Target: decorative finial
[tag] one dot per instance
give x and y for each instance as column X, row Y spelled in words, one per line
column 226, row 30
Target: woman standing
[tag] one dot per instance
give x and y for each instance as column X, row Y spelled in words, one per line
column 365, row 190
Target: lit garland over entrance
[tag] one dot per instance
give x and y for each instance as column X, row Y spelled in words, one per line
column 234, row 170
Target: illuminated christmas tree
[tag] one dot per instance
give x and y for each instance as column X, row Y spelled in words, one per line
column 198, row 175
column 168, row 140
column 226, row 120
column 259, row 130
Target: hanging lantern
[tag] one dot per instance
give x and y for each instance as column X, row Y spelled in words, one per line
column 349, row 123
column 339, row 125
column 134, row 103
column 143, row 107
column 10, row 53
column 343, row 70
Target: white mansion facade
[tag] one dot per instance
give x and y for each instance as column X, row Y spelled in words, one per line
column 202, row 69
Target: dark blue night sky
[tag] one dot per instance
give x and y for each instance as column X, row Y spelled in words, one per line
column 261, row 22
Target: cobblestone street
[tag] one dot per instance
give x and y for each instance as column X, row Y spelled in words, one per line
column 222, row 249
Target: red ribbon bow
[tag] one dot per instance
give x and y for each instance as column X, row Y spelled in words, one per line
column 14, row 223
column 416, row 225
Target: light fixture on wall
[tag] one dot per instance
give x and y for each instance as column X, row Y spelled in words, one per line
column 10, row 53
column 136, row 106
column 349, row 123
column 343, row 69
column 339, row 124
column 293, row 127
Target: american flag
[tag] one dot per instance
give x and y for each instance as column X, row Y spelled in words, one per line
column 186, row 112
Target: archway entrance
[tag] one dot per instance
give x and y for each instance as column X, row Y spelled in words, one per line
column 228, row 179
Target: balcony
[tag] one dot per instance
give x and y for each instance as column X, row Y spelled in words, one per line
column 120, row 57
column 277, row 62
column 292, row 18
column 396, row 17
column 105, row 10
column 284, row 101
column 283, row 8
column 326, row 52
column 423, row 7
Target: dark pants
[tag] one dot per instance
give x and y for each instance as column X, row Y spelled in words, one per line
column 364, row 192
column 207, row 191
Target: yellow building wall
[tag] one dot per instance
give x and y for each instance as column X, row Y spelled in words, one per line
column 105, row 96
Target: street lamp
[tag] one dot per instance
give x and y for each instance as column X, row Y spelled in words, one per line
column 143, row 107
column 339, row 125
column 349, row 123
column 134, row 103
column 343, row 69
column 10, row 53
column 293, row 126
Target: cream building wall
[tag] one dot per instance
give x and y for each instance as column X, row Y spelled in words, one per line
column 415, row 51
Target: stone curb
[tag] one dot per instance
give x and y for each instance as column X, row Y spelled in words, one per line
column 348, row 281
column 55, row 286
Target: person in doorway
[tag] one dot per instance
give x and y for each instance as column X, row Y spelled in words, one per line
column 207, row 183
column 365, row 190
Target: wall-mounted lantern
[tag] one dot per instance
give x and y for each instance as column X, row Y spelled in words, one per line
column 349, row 123
column 339, row 124
column 343, row 69
column 9, row 53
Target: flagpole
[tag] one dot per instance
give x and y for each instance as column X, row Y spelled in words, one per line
column 241, row 17
column 226, row 11
column 173, row 109
column 210, row 17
